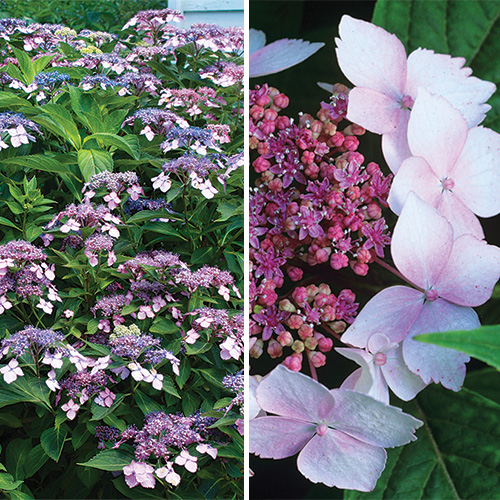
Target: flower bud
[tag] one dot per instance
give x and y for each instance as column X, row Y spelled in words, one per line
column 257, row 349
column 274, row 349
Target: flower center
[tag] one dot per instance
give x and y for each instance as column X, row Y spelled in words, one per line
column 431, row 295
column 321, row 430
column 448, row 184
column 380, row 358
column 407, row 102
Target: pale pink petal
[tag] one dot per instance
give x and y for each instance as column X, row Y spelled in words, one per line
column 436, row 131
column 370, row 381
column 280, row 55
column 415, row 174
column 421, row 242
column 131, row 480
column 459, row 216
column 435, row 363
column 279, row 437
column 471, row 273
column 476, row 173
column 373, row 110
column 395, row 145
column 371, row 57
column 443, row 75
column 392, row 311
column 257, row 40
column 360, row 416
column 277, row 393
column 337, row 459
column 405, row 384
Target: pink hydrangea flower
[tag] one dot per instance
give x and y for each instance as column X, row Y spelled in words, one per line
column 139, row 473
column 186, row 460
column 206, row 448
column 277, row 56
column 452, row 168
column 71, row 409
column 54, row 360
column 11, row 371
column 52, row 382
column 450, row 275
column 338, row 434
column 386, row 84
column 382, row 366
column 4, row 304
column 168, row 473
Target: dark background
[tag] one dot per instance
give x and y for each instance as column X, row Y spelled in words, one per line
column 317, row 21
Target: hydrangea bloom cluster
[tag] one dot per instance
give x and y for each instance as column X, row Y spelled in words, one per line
column 161, row 433
column 25, row 273
column 14, row 127
column 229, row 328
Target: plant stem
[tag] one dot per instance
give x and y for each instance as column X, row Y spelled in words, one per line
column 314, row 375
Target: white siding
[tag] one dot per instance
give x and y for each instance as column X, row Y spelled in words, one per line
column 222, row 12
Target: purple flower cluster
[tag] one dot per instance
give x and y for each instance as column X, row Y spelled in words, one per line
column 34, row 339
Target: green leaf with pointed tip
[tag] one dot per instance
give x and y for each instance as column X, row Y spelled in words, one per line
column 24, row 390
column 111, row 460
column 468, row 29
column 7, row 482
column 129, row 144
column 93, row 161
column 482, row 343
column 456, row 455
column 35, row 460
column 38, row 162
column 145, row 403
column 52, row 441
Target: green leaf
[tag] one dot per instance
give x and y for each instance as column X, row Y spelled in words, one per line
column 35, row 460
column 111, row 460
column 15, row 456
column 79, row 436
column 468, row 29
column 230, row 209
column 25, row 65
column 456, row 455
column 7, row 482
column 169, row 387
column 93, row 161
column 7, row 222
column 147, row 215
column 10, row 100
column 164, row 326
column 485, row 382
column 482, row 343
column 60, row 122
column 26, row 390
column 52, row 441
column 145, row 403
column 38, row 162
column 9, row 420
column 190, row 403
column 129, row 145
column 99, row 412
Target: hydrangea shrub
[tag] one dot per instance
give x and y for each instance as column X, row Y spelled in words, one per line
column 121, row 260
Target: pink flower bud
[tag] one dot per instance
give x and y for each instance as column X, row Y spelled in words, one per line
column 305, row 331
column 285, row 338
column 374, row 211
column 270, row 114
column 281, row 101
column 325, row 344
column 257, row 349
column 318, row 359
column 294, row 362
column 338, row 261
column 274, row 349
column 294, row 322
column 295, row 273
column 261, row 165
column 300, row 295
column 359, row 268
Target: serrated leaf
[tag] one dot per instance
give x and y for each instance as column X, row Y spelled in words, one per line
column 482, row 343
column 93, row 161
column 99, row 412
column 127, row 144
column 145, row 403
column 456, row 455
column 35, row 460
column 111, row 460
column 52, row 441
column 38, row 162
column 26, row 390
